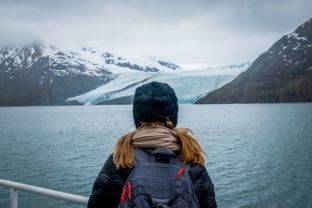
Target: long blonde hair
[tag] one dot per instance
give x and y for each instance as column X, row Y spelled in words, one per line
column 191, row 151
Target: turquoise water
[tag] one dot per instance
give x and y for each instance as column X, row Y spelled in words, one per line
column 259, row 155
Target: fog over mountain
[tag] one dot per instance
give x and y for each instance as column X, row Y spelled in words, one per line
column 188, row 33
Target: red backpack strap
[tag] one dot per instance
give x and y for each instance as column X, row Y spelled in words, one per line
column 123, row 194
column 184, row 168
column 180, row 172
column 129, row 190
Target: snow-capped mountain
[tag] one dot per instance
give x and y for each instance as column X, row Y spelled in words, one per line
column 146, row 64
column 118, row 64
column 281, row 74
column 46, row 75
column 24, row 58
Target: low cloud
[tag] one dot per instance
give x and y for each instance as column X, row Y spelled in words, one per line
column 185, row 32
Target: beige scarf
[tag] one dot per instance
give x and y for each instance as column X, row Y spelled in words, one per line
column 155, row 136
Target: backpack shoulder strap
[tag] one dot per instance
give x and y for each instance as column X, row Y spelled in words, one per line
column 187, row 167
column 140, row 156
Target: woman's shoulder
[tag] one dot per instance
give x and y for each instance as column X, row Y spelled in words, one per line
column 196, row 168
column 198, row 172
column 111, row 169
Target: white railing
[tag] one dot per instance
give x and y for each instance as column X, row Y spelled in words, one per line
column 14, row 187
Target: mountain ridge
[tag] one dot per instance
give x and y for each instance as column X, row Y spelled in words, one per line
column 37, row 74
column 281, row 74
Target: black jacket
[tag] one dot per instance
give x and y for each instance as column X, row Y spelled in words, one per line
column 108, row 185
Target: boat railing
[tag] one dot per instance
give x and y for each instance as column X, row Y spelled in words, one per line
column 15, row 186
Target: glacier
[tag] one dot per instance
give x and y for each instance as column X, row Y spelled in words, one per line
column 189, row 85
column 90, row 76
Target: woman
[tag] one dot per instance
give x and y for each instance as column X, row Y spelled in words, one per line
column 155, row 113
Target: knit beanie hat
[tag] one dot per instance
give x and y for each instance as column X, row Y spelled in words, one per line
column 155, row 101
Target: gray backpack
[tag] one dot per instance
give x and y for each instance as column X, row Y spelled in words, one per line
column 158, row 180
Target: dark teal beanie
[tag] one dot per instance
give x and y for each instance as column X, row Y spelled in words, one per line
column 155, row 101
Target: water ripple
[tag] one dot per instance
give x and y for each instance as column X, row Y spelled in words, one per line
column 258, row 155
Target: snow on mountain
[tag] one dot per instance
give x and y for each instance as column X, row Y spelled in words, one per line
column 189, row 85
column 37, row 74
column 93, row 60
column 21, row 58
column 40, row 75
column 118, row 64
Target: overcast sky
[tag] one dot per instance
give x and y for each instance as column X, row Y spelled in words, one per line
column 188, row 33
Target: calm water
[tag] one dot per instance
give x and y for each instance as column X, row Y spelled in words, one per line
column 259, row 155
